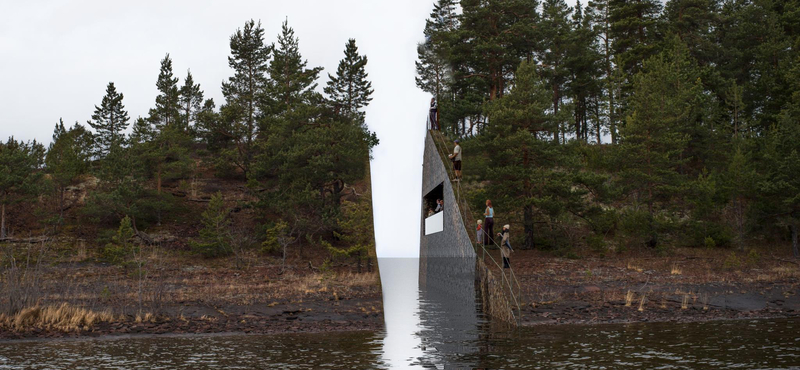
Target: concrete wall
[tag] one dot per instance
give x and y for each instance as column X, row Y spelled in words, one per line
column 447, row 259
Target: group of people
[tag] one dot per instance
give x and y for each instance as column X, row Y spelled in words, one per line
column 485, row 229
column 485, row 234
column 439, row 207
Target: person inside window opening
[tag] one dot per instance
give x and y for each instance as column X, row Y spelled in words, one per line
column 456, row 158
column 439, row 205
column 434, row 115
column 505, row 245
column 489, row 222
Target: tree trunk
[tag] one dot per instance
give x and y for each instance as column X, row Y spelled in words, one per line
column 283, row 258
column 528, row 209
column 3, row 221
column 528, row 227
column 160, row 202
column 555, row 113
column 793, row 227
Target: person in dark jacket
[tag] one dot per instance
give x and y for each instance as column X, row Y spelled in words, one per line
column 434, row 115
column 488, row 223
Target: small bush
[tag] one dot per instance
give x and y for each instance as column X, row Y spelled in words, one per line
column 215, row 239
column 732, row 262
column 753, row 257
column 698, row 232
column 597, row 243
column 602, row 221
column 120, row 250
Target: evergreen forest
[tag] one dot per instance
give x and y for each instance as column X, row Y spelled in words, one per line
column 614, row 125
column 277, row 165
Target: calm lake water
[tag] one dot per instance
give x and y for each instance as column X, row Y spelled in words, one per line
column 436, row 327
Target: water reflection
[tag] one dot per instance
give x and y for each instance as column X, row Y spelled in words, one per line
column 435, row 325
column 401, row 347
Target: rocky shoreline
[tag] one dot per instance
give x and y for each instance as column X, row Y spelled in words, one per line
column 308, row 317
column 692, row 286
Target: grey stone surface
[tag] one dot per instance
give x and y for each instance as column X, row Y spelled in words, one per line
column 454, row 240
column 447, row 258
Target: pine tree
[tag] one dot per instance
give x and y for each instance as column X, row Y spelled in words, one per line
column 600, row 13
column 292, row 84
column 694, row 22
column 166, row 111
column 215, row 234
column 634, row 32
column 356, row 232
column 523, row 156
column 757, row 52
column 433, row 67
column 245, row 93
column 191, row 102
column 166, row 154
column 654, row 137
column 780, row 187
column 492, row 39
column 584, row 65
column 556, row 33
column 120, row 192
column 68, row 158
column 209, row 127
column 20, row 177
column 109, row 122
column 142, row 131
column 350, row 90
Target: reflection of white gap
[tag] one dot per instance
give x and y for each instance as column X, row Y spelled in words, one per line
column 399, row 282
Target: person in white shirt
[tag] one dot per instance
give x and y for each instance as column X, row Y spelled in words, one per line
column 439, row 206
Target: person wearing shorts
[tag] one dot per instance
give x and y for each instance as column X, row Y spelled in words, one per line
column 456, row 157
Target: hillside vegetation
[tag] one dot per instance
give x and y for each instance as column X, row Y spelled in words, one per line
column 125, row 213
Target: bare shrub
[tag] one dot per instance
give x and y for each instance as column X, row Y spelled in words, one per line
column 20, row 285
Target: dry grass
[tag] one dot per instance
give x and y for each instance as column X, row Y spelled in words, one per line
column 629, row 298
column 634, row 267
column 675, row 270
column 65, row 318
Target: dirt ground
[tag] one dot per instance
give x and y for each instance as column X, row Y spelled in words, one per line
column 687, row 285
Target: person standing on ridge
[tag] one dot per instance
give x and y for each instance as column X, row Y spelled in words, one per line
column 488, row 223
column 434, row 115
column 456, row 158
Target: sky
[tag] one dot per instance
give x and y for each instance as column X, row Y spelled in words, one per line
column 57, row 56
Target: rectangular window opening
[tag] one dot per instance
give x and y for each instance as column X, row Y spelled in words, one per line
column 433, row 210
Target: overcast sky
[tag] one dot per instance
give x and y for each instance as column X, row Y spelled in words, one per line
column 57, row 56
